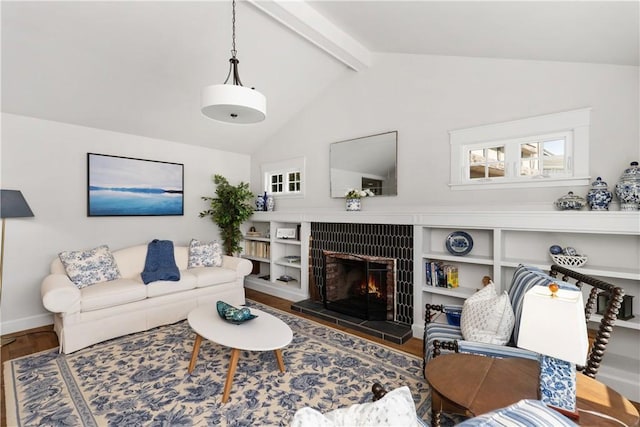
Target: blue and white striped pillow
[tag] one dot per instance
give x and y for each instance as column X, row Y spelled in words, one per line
column 525, row 413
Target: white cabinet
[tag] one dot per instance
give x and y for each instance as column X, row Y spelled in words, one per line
column 280, row 264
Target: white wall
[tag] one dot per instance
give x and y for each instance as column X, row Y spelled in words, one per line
column 424, row 97
column 47, row 161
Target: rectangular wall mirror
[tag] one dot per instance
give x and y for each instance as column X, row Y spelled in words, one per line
column 367, row 162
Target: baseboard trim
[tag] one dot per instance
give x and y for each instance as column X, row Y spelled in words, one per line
column 26, row 323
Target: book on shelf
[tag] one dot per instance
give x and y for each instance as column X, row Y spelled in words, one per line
column 441, row 275
column 257, row 249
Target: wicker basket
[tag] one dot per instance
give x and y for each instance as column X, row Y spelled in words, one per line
column 569, row 260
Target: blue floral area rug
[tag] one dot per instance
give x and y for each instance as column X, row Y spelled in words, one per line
column 142, row 380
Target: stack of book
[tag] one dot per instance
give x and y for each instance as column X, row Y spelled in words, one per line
column 441, row 275
column 257, row 249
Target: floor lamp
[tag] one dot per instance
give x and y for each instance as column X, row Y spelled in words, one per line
column 12, row 205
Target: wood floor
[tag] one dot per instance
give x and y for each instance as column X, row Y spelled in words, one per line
column 36, row 340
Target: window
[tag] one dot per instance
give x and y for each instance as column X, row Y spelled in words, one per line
column 554, row 152
column 284, row 178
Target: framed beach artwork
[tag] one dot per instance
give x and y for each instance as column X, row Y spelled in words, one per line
column 123, row 186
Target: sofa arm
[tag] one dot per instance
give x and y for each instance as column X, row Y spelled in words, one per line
column 242, row 266
column 59, row 294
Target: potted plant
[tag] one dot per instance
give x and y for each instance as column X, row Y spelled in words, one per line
column 353, row 197
column 229, row 209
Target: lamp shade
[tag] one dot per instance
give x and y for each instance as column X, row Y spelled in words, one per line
column 554, row 325
column 233, row 104
column 13, row 205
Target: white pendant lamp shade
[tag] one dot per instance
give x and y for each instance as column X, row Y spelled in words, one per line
column 233, row 104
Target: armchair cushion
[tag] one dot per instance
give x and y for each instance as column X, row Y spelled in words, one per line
column 525, row 413
column 487, row 317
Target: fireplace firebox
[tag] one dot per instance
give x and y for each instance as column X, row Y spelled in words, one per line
column 359, row 286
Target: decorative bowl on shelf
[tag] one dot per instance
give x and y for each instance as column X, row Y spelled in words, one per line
column 232, row 314
column 569, row 260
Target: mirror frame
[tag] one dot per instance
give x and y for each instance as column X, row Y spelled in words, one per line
column 357, row 152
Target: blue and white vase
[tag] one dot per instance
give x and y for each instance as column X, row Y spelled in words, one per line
column 353, row 205
column 599, row 196
column 628, row 188
column 270, row 203
column 260, row 203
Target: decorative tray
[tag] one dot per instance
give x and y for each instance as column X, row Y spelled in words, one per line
column 569, row 260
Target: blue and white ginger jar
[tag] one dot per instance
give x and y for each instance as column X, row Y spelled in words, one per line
column 628, row 188
column 599, row 196
column 570, row 201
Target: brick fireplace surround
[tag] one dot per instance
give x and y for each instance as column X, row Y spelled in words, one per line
column 373, row 240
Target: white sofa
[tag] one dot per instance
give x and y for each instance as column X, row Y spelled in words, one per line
column 106, row 310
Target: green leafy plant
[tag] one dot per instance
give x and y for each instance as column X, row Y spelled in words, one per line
column 229, row 209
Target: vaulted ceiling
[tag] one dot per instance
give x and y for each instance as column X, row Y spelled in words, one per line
column 138, row 67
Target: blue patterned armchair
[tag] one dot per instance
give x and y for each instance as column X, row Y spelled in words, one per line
column 442, row 338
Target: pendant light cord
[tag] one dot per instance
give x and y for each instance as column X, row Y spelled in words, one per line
column 233, row 29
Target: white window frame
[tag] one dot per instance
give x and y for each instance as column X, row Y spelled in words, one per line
column 572, row 125
column 284, row 167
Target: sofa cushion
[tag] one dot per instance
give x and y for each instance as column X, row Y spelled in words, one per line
column 209, row 276
column 396, row 408
column 203, row 254
column 525, row 413
column 487, row 317
column 163, row 287
column 87, row 267
column 113, row 293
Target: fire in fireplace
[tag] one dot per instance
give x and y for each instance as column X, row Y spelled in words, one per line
column 359, row 286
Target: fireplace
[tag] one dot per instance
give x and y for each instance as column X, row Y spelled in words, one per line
column 359, row 285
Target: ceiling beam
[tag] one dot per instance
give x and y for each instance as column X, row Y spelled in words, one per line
column 310, row 24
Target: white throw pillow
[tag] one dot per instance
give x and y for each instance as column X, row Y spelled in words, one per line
column 89, row 267
column 487, row 317
column 203, row 254
column 396, row 408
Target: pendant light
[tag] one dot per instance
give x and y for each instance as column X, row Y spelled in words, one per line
column 233, row 103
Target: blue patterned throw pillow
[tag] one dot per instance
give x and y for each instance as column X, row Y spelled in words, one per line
column 203, row 254
column 89, row 267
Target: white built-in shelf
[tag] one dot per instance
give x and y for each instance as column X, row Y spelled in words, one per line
column 285, row 263
column 459, row 292
column 288, row 241
column 618, row 273
column 633, row 323
column 255, row 258
column 458, row 259
column 257, row 238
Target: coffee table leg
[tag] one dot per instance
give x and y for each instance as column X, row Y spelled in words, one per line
column 279, row 359
column 194, row 354
column 235, row 354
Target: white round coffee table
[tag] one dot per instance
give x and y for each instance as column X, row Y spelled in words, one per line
column 264, row 333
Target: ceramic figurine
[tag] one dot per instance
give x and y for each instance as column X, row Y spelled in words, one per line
column 570, row 201
column 599, row 196
column 628, row 188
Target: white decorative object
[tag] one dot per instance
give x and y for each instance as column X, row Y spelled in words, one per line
column 569, row 260
column 233, row 103
column 628, row 188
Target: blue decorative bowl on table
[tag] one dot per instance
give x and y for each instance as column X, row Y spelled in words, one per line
column 232, row 314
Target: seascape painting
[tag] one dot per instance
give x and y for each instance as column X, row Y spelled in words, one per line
column 122, row 186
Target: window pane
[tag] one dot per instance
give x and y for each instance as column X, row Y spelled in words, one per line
column 554, row 157
column 476, row 156
column 487, row 162
column 529, row 150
